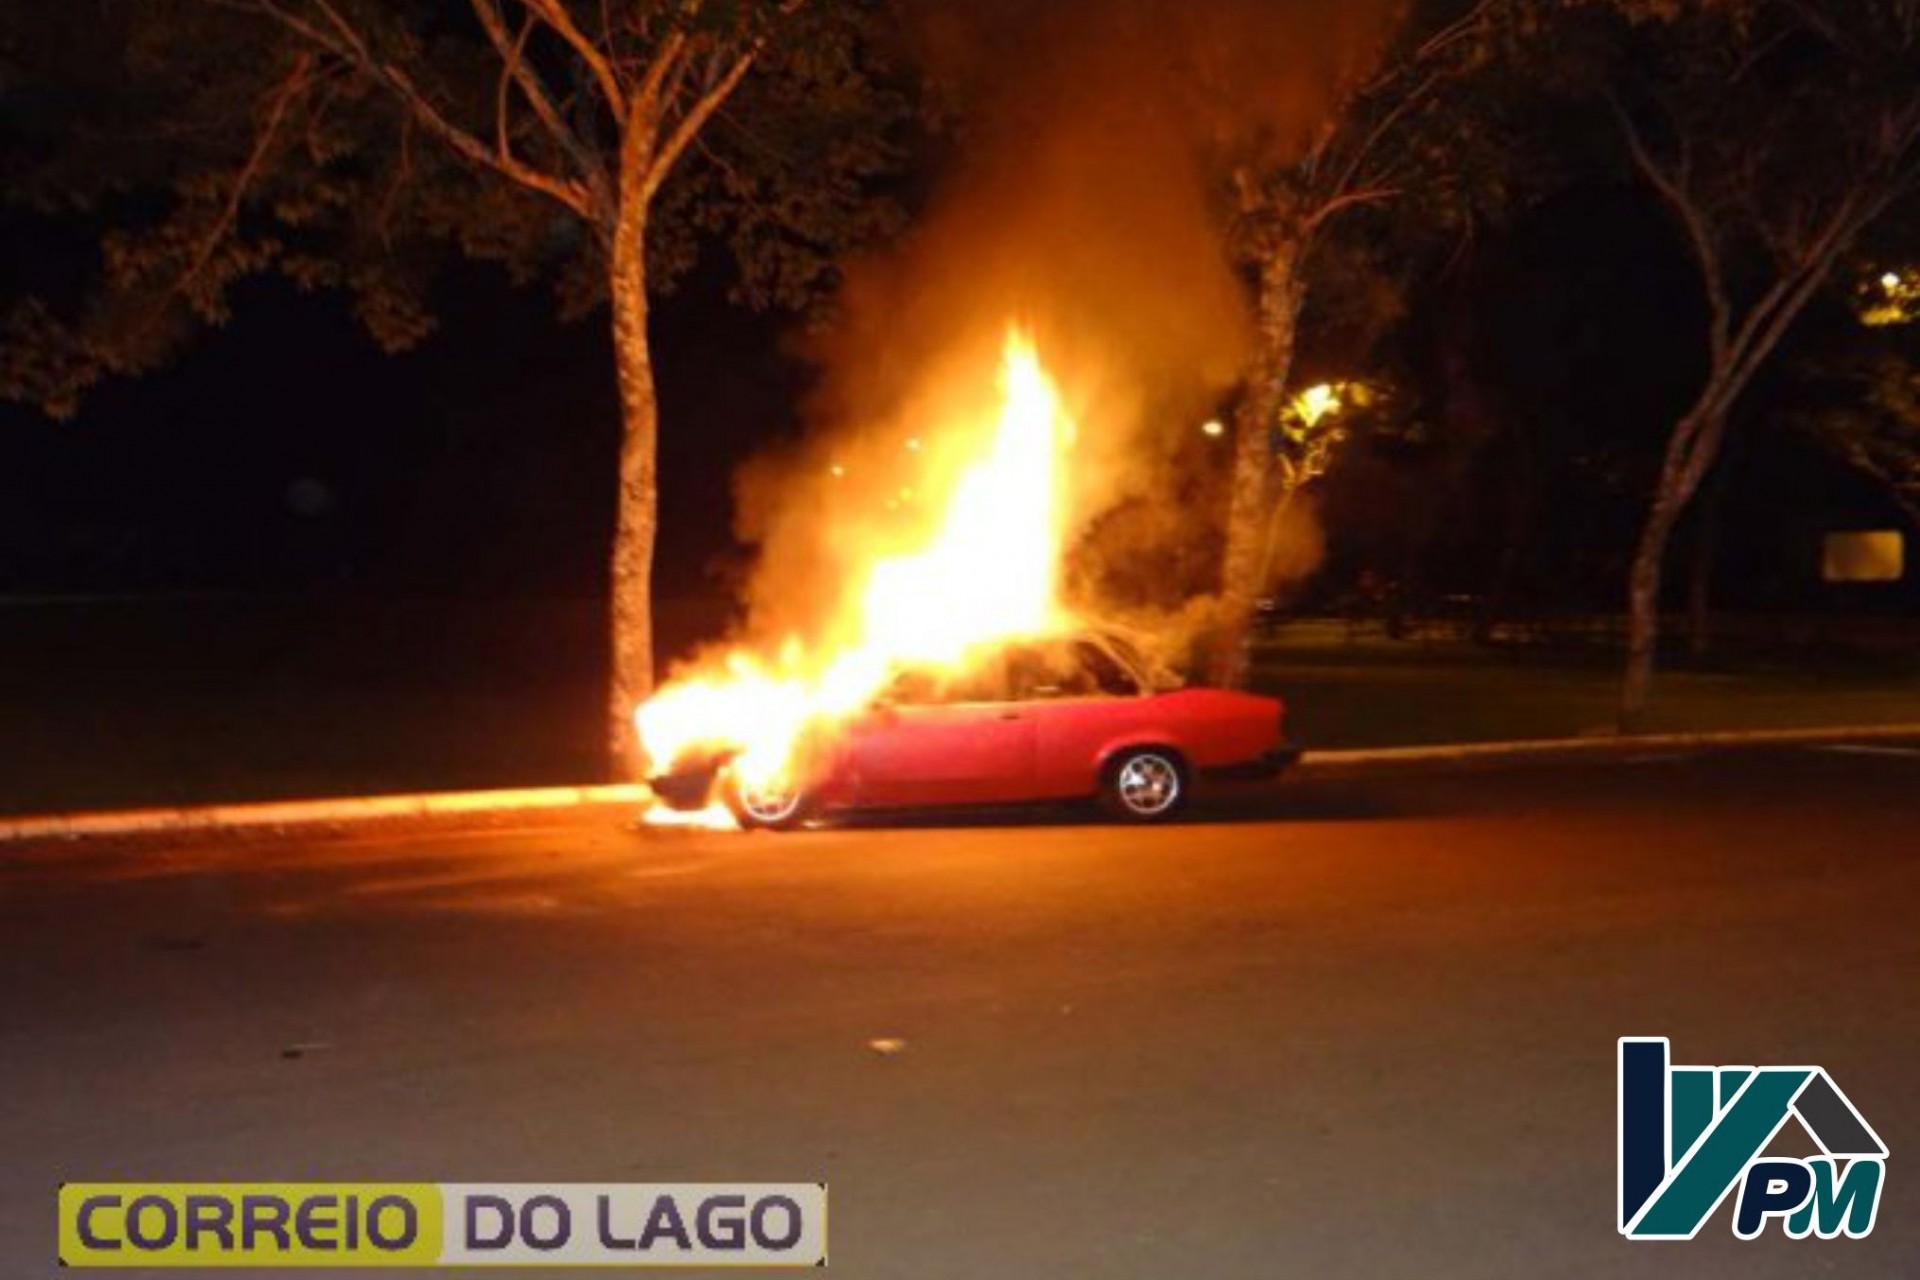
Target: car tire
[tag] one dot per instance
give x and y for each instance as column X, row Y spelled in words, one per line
column 1144, row 784
column 765, row 811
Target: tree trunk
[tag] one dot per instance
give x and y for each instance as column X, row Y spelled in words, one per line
column 1643, row 611
column 1251, row 506
column 1690, row 450
column 637, row 519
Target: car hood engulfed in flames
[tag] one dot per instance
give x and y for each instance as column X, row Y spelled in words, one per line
column 984, row 570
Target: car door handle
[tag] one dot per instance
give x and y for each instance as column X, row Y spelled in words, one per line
column 1010, row 715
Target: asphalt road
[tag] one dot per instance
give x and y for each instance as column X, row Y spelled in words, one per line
column 1364, row 1028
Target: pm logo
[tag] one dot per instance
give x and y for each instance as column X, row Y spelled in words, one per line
column 1690, row 1135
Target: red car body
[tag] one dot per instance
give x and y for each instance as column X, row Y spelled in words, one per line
column 967, row 753
column 1052, row 720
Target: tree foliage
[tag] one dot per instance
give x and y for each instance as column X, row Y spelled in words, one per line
column 359, row 144
column 1861, row 404
column 1413, row 146
column 1776, row 134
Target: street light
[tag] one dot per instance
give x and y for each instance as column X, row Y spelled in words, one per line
column 1890, row 298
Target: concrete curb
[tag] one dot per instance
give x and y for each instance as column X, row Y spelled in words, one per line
column 300, row 813
column 356, row 810
column 1601, row 744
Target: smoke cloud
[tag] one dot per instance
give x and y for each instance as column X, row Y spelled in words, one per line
column 1087, row 203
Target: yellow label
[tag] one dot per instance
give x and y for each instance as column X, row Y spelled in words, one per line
column 250, row 1224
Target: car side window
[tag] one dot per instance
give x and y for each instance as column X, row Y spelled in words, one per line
column 1027, row 675
column 982, row 681
column 931, row 687
column 1040, row 672
column 1104, row 672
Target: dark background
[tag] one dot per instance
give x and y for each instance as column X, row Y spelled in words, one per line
column 293, row 565
column 286, row 454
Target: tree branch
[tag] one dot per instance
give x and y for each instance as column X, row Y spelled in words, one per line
column 514, row 64
column 347, row 43
column 1345, row 200
column 1673, row 190
column 1434, row 45
column 697, row 117
column 663, row 71
column 510, row 55
column 1769, row 321
column 1381, row 128
column 1762, row 330
column 277, row 107
column 1422, row 56
column 555, row 15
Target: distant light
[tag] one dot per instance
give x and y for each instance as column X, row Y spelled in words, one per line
column 1898, row 301
column 1213, row 427
column 913, row 444
column 1316, row 402
column 1864, row 555
column 837, row 471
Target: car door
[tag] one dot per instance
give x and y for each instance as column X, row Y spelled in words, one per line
column 1078, row 700
column 966, row 746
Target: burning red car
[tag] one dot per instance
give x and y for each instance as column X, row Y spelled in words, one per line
column 1074, row 718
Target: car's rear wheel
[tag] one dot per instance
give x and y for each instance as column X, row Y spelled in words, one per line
column 1144, row 784
column 772, row 807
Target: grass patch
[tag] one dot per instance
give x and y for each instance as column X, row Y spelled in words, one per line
column 1372, row 692
column 116, row 704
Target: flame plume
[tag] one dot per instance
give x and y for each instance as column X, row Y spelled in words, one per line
column 988, row 572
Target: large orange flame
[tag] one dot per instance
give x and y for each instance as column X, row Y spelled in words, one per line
column 987, row 571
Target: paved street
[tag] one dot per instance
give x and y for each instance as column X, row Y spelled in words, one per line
column 1362, row 1028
